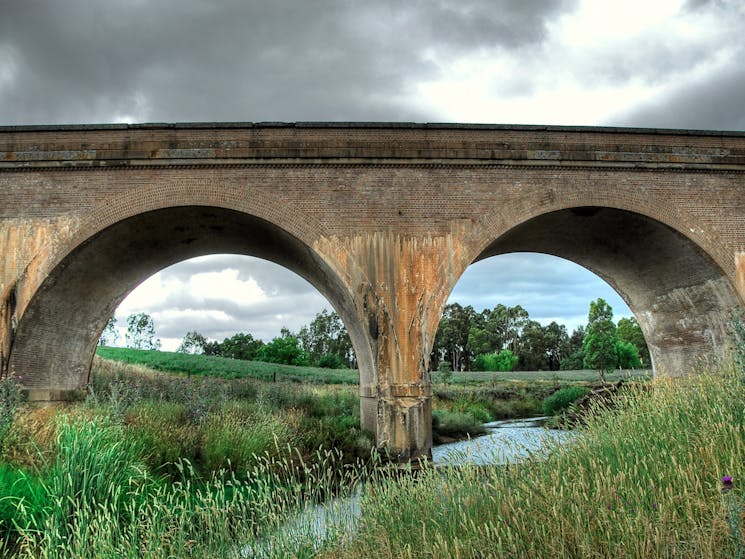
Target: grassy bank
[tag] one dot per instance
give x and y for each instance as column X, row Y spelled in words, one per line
column 226, row 368
column 644, row 480
column 460, row 407
column 223, row 367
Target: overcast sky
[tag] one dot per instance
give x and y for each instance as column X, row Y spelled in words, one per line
column 659, row 63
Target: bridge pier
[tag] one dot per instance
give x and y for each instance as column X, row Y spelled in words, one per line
column 399, row 285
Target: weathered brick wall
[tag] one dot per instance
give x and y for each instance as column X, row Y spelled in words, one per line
column 383, row 219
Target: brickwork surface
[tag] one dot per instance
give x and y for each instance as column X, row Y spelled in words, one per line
column 382, row 219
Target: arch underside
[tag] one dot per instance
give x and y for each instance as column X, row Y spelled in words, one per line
column 680, row 296
column 56, row 338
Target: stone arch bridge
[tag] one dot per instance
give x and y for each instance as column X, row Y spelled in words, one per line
column 382, row 218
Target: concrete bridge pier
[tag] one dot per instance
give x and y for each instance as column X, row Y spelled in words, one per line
column 399, row 285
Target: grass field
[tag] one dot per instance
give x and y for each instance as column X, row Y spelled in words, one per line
column 234, row 368
column 659, row 476
column 223, row 367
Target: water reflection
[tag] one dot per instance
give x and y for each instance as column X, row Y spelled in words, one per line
column 506, row 442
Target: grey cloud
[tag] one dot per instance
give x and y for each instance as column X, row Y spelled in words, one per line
column 545, row 286
column 262, row 320
column 272, row 278
column 83, row 61
column 710, row 98
column 716, row 102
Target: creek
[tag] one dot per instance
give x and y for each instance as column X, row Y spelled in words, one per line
column 505, row 442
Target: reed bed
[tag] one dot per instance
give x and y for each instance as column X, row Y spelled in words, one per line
column 658, row 476
column 643, row 480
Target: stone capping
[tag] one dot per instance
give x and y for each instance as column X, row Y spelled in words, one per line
column 371, row 125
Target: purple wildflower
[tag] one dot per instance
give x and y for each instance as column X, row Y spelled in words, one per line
column 727, row 484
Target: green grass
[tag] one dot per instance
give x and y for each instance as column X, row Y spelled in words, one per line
column 485, row 377
column 643, row 480
column 213, row 366
column 223, row 367
column 562, row 399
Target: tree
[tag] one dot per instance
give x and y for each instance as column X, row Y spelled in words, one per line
column 239, row 346
column 600, row 348
column 630, row 331
column 141, row 332
column 326, row 336
column 573, row 357
column 285, row 349
column 628, row 355
column 193, row 342
column 509, row 324
column 451, row 339
column 109, row 334
column 533, row 348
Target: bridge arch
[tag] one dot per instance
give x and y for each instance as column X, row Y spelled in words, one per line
column 125, row 243
column 681, row 296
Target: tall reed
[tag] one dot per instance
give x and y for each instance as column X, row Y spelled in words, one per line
column 642, row 481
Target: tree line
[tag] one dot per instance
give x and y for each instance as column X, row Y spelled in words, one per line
column 505, row 339
column 499, row 339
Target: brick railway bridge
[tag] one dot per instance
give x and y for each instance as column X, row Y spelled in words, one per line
column 381, row 218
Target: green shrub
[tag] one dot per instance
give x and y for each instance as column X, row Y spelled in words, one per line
column 504, row 361
column 330, row 361
column 478, row 409
column 455, row 424
column 445, row 371
column 238, row 435
column 562, row 399
column 165, row 434
column 340, row 433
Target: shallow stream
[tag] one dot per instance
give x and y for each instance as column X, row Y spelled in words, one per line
column 505, row 442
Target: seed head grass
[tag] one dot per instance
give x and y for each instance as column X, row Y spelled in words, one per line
column 641, row 480
column 658, row 475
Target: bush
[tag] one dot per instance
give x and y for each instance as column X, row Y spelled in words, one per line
column 455, row 424
column 165, row 433
column 562, row 399
column 238, row 435
column 628, row 355
column 330, row 361
column 505, row 361
column 446, row 372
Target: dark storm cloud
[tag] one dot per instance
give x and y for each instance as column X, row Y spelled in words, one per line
column 85, row 61
column 711, row 94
